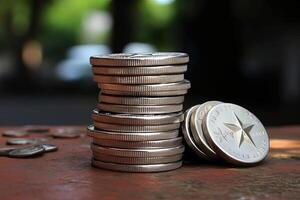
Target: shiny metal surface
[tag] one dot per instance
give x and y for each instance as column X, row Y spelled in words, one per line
column 236, row 134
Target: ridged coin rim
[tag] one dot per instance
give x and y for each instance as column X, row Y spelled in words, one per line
column 141, row 128
column 144, row 93
column 182, row 85
column 142, row 152
column 137, row 168
column 149, row 70
column 137, row 161
column 145, row 101
column 131, row 136
column 153, row 59
column 128, row 119
column 154, row 79
column 141, row 144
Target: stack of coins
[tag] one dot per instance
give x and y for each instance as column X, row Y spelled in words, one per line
column 223, row 131
column 139, row 112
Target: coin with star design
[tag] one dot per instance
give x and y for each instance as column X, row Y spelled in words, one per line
column 236, row 134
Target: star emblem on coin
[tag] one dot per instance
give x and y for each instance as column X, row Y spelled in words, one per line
column 240, row 131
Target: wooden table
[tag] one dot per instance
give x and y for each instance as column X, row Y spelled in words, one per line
column 67, row 174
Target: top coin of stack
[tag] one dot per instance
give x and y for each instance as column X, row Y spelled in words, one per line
column 139, row 111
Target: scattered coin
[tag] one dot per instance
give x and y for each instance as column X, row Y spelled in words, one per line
column 5, row 150
column 23, row 141
column 141, row 144
column 66, row 133
column 136, row 161
column 28, row 151
column 157, row 152
column 36, row 129
column 149, row 70
column 137, row 168
column 50, row 147
column 132, row 129
column 140, row 59
column 139, row 79
column 137, row 136
column 183, row 85
column 15, row 133
column 236, row 134
column 143, row 101
column 128, row 119
column 162, row 109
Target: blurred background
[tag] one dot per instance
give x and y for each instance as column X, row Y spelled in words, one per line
column 246, row 52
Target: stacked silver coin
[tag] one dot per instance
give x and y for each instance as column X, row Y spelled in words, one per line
column 139, row 112
column 223, row 131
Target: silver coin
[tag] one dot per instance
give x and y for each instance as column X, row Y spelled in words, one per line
column 128, row 119
column 157, row 152
column 141, row 144
column 155, row 79
column 236, row 134
column 137, row 168
column 23, row 141
column 138, row 136
column 196, row 127
column 144, row 93
column 137, row 161
column 50, row 147
column 183, row 85
column 66, row 133
column 149, row 70
column 140, row 59
column 187, row 134
column 143, row 101
column 141, row 128
column 5, row 150
column 161, row 109
column 14, row 133
column 27, row 151
column 36, row 129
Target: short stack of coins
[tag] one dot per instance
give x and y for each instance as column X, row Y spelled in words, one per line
column 139, row 112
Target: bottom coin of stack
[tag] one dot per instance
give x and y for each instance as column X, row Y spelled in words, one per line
column 136, row 143
column 223, row 131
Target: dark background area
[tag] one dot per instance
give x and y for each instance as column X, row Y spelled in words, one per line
column 245, row 52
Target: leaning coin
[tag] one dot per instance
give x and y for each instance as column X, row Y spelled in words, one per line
column 128, row 119
column 23, row 141
column 137, row 168
column 161, row 109
column 66, row 133
column 140, row 128
column 138, row 136
column 157, row 152
column 142, row 101
column 183, row 85
column 5, row 150
column 139, row 79
column 149, row 70
column 137, row 161
column 50, row 147
column 236, row 134
column 196, row 127
column 187, row 134
column 144, row 93
column 141, row 144
column 27, row 151
column 14, row 133
column 140, row 59
column 36, row 129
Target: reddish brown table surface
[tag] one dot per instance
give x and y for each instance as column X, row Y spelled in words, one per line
column 67, row 174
